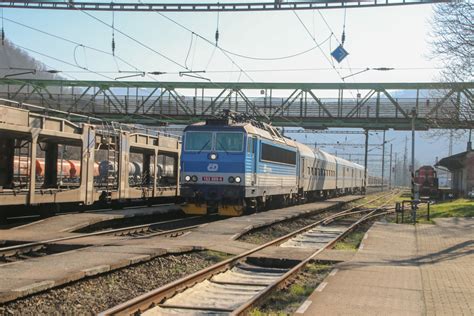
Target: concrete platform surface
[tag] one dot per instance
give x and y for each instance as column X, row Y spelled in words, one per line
column 21, row 278
column 403, row 270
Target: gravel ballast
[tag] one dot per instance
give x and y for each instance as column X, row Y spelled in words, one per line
column 93, row 295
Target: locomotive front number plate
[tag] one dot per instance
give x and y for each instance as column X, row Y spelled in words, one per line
column 214, row 179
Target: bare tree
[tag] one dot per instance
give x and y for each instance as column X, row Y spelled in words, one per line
column 453, row 39
column 453, row 44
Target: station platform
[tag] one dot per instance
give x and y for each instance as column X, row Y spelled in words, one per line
column 63, row 225
column 100, row 254
column 403, row 270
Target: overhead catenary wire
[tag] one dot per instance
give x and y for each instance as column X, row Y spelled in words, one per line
column 322, row 52
column 314, row 39
column 164, row 56
column 63, row 61
column 189, row 50
column 75, row 57
column 280, row 57
column 206, row 40
column 135, row 40
column 340, row 43
column 236, row 71
column 75, row 43
column 73, row 65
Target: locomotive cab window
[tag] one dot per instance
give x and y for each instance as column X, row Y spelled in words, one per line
column 198, row 141
column 229, row 142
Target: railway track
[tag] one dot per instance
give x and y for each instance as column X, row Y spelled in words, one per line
column 45, row 247
column 23, row 251
column 234, row 286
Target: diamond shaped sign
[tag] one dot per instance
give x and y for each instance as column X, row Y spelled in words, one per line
column 339, row 53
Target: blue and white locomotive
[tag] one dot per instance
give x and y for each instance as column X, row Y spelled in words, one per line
column 234, row 164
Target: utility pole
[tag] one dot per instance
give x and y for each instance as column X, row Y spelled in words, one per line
column 405, row 156
column 469, row 142
column 395, row 171
column 413, row 193
column 390, row 172
column 365, row 158
column 450, row 151
column 383, row 160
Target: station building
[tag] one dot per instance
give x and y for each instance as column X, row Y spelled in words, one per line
column 461, row 167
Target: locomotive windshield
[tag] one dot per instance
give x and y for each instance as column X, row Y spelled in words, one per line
column 222, row 141
column 198, row 141
column 229, row 141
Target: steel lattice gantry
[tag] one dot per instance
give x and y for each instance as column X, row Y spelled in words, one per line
column 309, row 105
column 143, row 6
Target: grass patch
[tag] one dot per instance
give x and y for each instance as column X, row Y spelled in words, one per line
column 215, row 256
column 442, row 209
column 455, row 208
column 350, row 242
column 287, row 301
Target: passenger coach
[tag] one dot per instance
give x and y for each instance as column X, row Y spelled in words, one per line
column 235, row 164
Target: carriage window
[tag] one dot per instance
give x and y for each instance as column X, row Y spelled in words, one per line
column 229, row 141
column 198, row 141
column 277, row 154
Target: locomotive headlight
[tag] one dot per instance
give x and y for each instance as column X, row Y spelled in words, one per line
column 213, row 156
column 187, row 178
column 237, row 179
column 194, row 178
column 231, row 179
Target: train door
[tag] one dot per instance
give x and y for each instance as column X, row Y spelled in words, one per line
column 300, row 172
column 253, row 151
column 344, row 181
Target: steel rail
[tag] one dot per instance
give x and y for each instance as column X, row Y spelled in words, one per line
column 154, row 297
column 285, row 278
column 17, row 249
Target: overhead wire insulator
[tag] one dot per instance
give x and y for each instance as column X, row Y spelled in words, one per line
column 113, row 46
column 217, row 26
column 113, row 33
column 343, row 37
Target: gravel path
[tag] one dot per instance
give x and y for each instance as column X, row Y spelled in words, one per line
column 96, row 294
